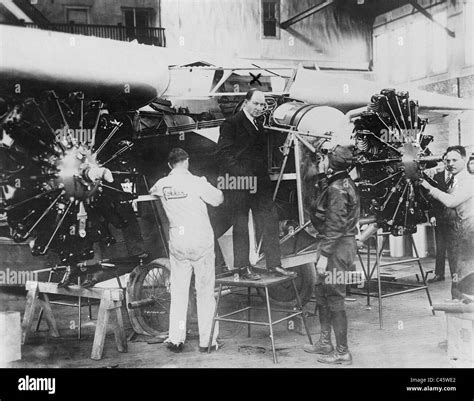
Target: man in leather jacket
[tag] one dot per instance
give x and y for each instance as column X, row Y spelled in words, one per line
column 335, row 217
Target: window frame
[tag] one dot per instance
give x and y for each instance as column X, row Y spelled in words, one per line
column 277, row 4
column 80, row 8
column 134, row 9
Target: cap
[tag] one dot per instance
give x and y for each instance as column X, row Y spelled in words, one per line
column 340, row 158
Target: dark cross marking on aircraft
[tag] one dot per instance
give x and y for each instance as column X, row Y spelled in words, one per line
column 255, row 79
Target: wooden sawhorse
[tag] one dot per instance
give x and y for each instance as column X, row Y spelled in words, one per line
column 110, row 304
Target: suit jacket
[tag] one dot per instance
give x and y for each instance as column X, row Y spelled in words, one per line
column 241, row 148
column 439, row 210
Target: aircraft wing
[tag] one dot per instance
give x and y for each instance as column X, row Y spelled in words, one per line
column 350, row 93
column 33, row 59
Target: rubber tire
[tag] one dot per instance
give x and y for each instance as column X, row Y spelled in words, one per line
column 134, row 286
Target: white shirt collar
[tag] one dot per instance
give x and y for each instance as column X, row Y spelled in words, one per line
column 252, row 120
column 179, row 170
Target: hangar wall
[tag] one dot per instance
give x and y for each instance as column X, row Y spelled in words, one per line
column 234, row 28
column 410, row 50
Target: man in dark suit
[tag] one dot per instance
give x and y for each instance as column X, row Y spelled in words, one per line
column 242, row 153
column 440, row 218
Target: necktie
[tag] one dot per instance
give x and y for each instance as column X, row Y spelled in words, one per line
column 449, row 181
column 255, row 122
column 450, row 185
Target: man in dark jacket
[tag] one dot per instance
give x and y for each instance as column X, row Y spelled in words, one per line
column 242, row 152
column 335, row 217
column 441, row 218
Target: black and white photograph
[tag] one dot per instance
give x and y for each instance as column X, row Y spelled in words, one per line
column 228, row 186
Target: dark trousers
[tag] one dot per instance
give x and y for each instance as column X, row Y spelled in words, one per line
column 132, row 233
column 444, row 246
column 221, row 221
column 331, row 294
column 266, row 219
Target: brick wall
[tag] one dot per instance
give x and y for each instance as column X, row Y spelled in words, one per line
column 460, row 129
column 103, row 12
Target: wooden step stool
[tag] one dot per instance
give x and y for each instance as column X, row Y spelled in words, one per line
column 110, row 303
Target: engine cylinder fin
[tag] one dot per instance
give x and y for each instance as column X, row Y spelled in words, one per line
column 51, row 169
column 392, row 154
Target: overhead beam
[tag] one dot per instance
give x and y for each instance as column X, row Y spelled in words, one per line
column 305, row 14
column 16, row 11
column 415, row 4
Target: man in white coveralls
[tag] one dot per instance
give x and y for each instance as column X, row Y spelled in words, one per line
column 191, row 244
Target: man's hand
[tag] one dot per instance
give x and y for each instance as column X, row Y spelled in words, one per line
column 322, row 265
column 433, row 221
column 430, row 172
column 323, row 164
column 100, row 173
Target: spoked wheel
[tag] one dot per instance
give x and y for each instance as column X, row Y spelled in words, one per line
column 148, row 298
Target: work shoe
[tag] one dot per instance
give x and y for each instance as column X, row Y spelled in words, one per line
column 219, row 344
column 68, row 278
column 323, row 346
column 224, row 270
column 89, row 282
column 177, row 348
column 436, row 278
column 280, row 271
column 336, row 358
column 246, row 273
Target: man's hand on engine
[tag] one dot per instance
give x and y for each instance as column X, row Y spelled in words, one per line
column 321, row 265
column 100, row 173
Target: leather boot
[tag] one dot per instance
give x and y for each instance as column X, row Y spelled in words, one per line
column 324, row 344
column 341, row 355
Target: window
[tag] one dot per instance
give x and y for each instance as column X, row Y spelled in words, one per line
column 77, row 15
column 439, row 44
column 137, row 17
column 270, row 18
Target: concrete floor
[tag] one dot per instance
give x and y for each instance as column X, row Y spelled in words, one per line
column 409, row 339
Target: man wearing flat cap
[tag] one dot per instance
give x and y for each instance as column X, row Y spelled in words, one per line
column 335, row 216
